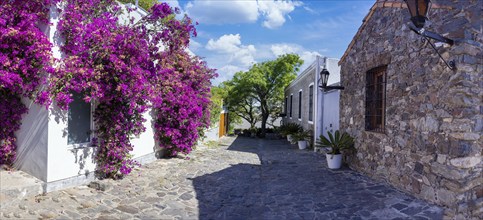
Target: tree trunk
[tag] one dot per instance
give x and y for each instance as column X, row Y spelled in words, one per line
column 265, row 114
column 264, row 124
column 253, row 124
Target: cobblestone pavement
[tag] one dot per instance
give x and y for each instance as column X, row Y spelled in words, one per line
column 242, row 178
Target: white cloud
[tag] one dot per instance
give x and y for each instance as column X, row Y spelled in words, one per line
column 275, row 12
column 241, row 11
column 233, row 51
column 194, row 45
column 310, row 10
column 226, row 73
column 307, row 56
column 225, row 44
column 173, row 3
column 223, row 12
column 229, row 55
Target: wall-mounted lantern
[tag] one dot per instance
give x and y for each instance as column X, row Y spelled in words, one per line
column 419, row 10
column 324, row 78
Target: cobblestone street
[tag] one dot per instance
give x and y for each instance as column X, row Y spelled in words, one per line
column 242, row 178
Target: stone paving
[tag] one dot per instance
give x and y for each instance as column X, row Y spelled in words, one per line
column 241, row 178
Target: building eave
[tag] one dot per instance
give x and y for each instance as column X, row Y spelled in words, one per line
column 381, row 4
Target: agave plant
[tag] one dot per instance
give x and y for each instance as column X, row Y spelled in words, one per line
column 336, row 142
column 290, row 128
column 301, row 135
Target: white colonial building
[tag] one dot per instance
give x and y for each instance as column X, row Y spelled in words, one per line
column 308, row 105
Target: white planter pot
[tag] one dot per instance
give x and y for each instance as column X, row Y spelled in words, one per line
column 289, row 138
column 302, row 144
column 334, row 161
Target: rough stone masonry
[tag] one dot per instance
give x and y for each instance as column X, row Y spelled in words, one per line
column 432, row 142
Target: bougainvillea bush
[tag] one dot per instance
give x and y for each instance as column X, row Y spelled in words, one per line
column 182, row 109
column 125, row 67
column 25, row 60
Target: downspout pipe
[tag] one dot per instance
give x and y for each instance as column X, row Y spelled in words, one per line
column 316, row 86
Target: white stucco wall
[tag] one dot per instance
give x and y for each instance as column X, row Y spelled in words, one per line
column 32, row 141
column 334, row 70
column 144, row 144
column 66, row 161
column 211, row 134
column 331, row 112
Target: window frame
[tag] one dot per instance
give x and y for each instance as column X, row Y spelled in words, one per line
column 291, row 105
column 91, row 127
column 375, row 100
column 300, row 105
column 311, row 103
column 286, row 106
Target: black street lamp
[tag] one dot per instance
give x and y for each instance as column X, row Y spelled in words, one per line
column 324, row 78
column 419, row 10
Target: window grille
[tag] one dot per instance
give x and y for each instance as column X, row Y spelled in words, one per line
column 286, row 109
column 79, row 121
column 291, row 102
column 311, row 103
column 376, row 99
column 300, row 104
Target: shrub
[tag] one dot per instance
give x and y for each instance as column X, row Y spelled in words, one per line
column 336, row 142
column 290, row 128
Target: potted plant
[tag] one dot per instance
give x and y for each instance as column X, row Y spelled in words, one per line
column 301, row 138
column 289, row 129
column 336, row 143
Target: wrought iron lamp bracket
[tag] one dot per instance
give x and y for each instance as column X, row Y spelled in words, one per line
column 428, row 34
column 328, row 88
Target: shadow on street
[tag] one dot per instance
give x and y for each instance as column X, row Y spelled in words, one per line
column 296, row 184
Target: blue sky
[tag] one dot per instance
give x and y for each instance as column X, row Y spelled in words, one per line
column 235, row 34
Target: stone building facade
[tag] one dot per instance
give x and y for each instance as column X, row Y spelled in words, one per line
column 425, row 137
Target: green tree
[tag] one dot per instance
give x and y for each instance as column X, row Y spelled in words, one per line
column 219, row 96
column 268, row 80
column 144, row 4
column 241, row 99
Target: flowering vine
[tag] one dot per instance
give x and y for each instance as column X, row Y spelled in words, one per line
column 124, row 67
column 183, row 109
column 26, row 60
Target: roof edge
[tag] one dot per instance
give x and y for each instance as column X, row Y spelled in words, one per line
column 381, row 4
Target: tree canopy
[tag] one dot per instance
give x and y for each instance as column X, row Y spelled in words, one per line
column 241, row 99
column 259, row 91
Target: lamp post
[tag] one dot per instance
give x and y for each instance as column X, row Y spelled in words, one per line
column 324, row 78
column 419, row 10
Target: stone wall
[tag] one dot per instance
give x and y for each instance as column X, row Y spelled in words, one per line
column 432, row 144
